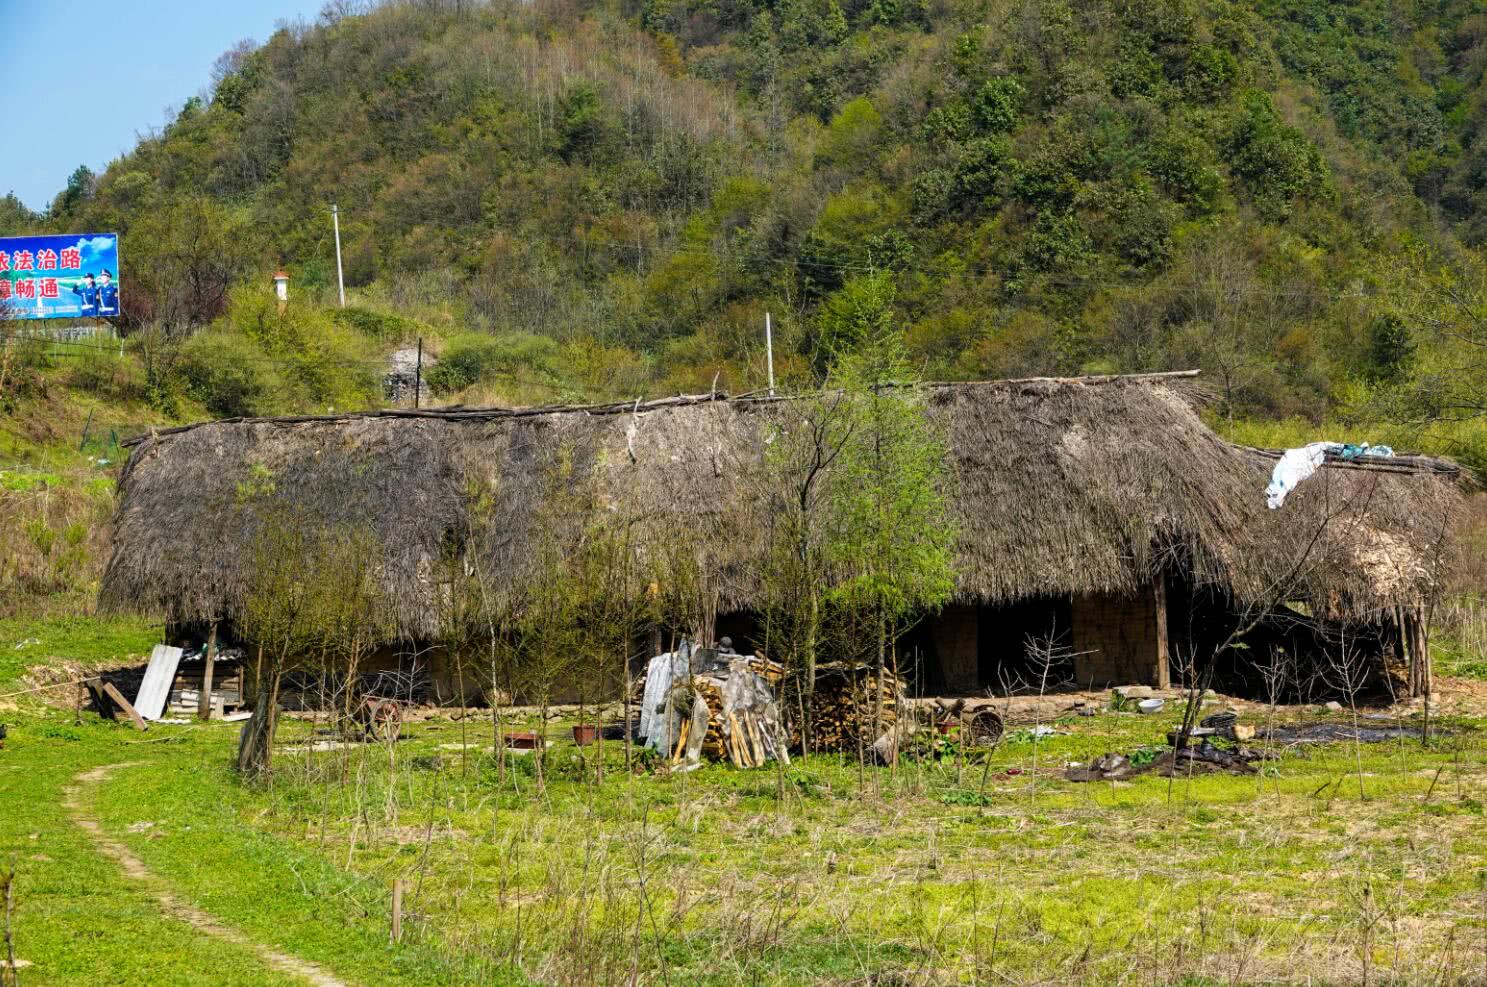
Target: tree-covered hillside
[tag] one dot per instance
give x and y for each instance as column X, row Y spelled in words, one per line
column 607, row 197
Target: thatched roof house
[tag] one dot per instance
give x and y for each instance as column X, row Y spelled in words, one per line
column 1097, row 497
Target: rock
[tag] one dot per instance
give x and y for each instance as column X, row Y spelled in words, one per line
column 1334, row 705
column 1133, row 691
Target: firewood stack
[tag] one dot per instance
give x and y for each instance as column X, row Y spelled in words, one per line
column 845, row 703
column 731, row 702
column 710, row 689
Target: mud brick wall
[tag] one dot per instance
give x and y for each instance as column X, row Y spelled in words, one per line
column 957, row 642
column 1116, row 638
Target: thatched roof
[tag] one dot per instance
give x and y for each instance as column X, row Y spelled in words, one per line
column 1060, row 486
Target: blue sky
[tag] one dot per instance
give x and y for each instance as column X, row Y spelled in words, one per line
column 89, row 76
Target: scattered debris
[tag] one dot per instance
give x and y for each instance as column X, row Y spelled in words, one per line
column 1032, row 733
column 1106, row 767
column 980, row 723
column 1234, row 731
column 1205, row 758
column 317, row 747
column 1326, row 733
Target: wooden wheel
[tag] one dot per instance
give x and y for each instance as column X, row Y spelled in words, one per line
column 384, row 718
column 985, row 727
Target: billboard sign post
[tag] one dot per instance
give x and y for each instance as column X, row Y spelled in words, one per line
column 70, row 276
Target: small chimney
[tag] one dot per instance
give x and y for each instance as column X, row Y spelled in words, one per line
column 281, row 288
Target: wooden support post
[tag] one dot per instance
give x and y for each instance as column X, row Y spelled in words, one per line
column 204, row 702
column 1163, row 679
column 1415, row 645
column 125, row 705
column 397, row 909
column 1422, row 653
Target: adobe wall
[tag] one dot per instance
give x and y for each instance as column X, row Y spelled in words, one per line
column 1116, row 640
column 956, row 637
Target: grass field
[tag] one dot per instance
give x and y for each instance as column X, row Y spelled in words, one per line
column 1331, row 866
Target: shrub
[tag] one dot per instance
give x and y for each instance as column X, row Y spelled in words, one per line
column 100, row 369
column 228, row 375
column 474, row 357
column 997, row 104
column 1275, row 162
column 384, row 327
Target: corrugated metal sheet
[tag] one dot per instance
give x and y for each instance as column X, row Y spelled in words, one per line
column 153, row 691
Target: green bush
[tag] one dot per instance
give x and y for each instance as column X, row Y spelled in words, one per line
column 384, row 327
column 100, row 369
column 474, row 357
column 1275, row 162
column 997, row 104
column 228, row 375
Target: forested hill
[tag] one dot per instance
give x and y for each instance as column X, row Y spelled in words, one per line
column 1284, row 192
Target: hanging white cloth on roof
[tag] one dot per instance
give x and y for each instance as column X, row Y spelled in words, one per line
column 1294, row 466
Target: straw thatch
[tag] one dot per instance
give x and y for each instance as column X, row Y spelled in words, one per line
column 1058, row 487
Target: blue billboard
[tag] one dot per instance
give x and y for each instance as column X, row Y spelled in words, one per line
column 73, row 276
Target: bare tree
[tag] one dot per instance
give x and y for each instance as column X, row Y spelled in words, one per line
column 1348, row 671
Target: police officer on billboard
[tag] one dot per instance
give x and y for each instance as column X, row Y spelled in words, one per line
column 87, row 293
column 108, row 295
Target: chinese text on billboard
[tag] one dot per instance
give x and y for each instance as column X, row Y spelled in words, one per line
column 75, row 276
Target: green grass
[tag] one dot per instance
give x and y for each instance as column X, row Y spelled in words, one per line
column 818, row 874
column 936, row 872
column 88, row 641
column 79, row 921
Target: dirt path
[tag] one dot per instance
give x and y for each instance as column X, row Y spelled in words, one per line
column 170, row 903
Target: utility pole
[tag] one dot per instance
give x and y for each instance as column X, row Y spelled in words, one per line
column 769, row 351
column 418, row 375
column 335, row 218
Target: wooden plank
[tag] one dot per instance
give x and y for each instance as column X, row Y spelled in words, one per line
column 155, row 689
column 118, row 698
column 397, row 909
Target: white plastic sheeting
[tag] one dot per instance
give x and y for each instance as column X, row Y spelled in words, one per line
column 1295, row 466
column 749, row 717
column 657, row 723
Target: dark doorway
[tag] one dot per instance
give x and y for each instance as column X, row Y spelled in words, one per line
column 972, row 650
column 1014, row 640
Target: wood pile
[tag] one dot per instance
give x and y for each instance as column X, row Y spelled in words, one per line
column 710, row 690
column 748, row 735
column 844, row 708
